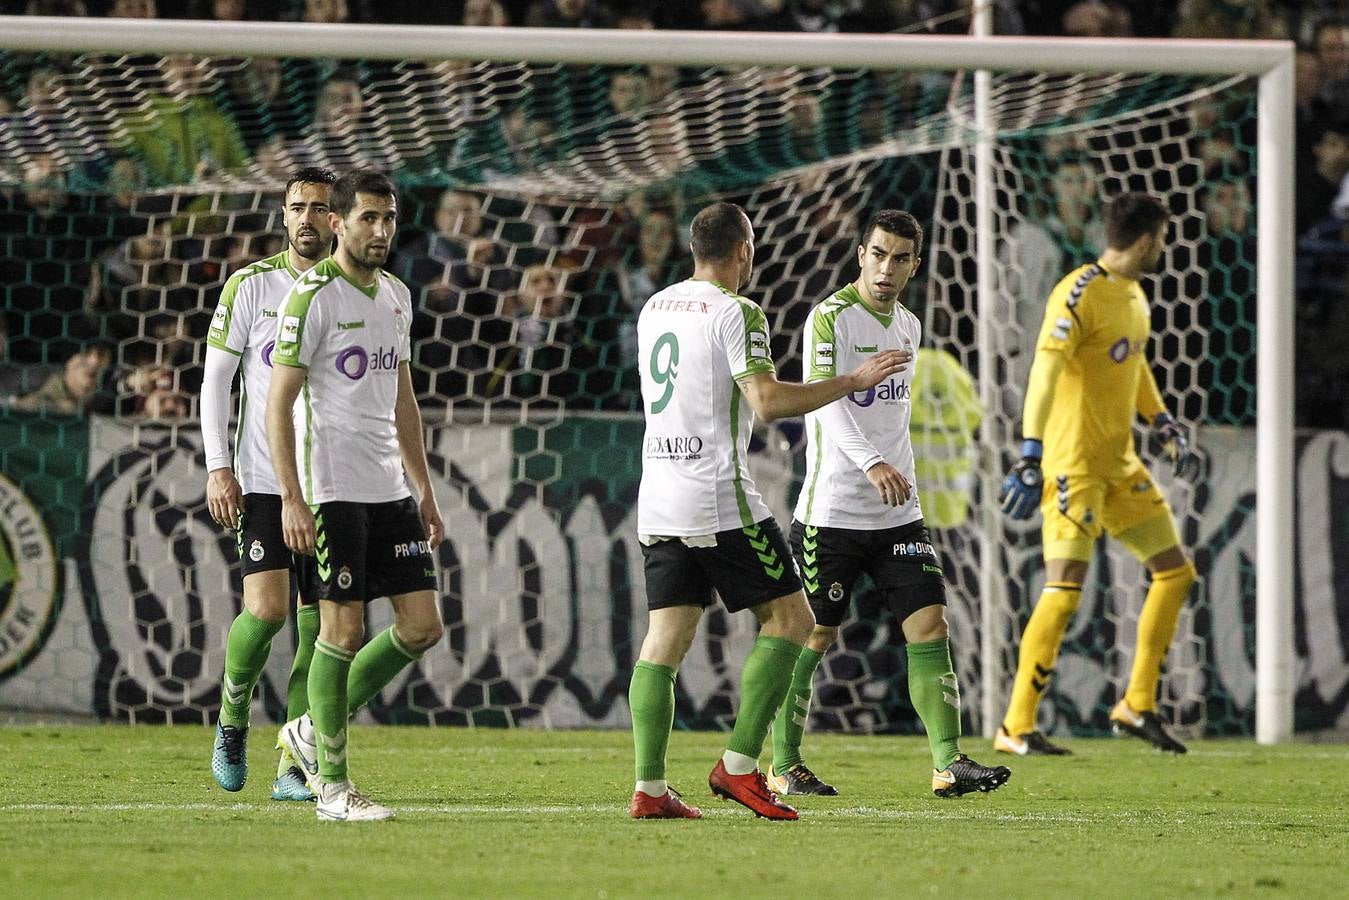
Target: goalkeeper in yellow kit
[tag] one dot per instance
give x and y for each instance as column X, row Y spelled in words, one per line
column 1089, row 378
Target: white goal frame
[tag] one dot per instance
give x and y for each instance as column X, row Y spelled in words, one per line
column 1270, row 61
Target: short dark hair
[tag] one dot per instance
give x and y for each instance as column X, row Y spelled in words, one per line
column 896, row 222
column 1130, row 216
column 310, row 175
column 717, row 230
column 358, row 181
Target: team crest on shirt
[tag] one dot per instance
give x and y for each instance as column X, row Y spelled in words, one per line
column 344, row 578
column 256, row 552
column 836, row 592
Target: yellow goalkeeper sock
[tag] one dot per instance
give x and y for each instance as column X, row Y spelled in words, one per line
column 1156, row 628
column 1039, row 648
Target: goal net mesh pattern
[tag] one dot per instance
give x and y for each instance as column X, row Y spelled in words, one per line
column 540, row 206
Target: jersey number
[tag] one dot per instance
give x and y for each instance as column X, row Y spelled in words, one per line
column 664, row 372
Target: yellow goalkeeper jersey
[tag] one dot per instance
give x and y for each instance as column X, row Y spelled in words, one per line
column 1094, row 338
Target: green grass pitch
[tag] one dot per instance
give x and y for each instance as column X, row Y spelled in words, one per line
column 111, row 811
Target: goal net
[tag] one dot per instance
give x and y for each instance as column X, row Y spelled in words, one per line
column 540, row 205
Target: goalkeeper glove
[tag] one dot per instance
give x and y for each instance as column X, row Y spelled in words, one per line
column 1171, row 435
column 1023, row 485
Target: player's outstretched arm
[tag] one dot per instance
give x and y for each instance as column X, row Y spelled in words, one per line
column 412, row 446
column 224, row 497
column 297, row 522
column 772, row 399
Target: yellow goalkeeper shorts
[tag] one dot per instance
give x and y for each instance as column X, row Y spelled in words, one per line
column 1129, row 507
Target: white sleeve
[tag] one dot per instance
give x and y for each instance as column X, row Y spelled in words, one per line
column 215, row 406
column 838, row 423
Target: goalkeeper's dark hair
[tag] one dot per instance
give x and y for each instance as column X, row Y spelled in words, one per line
column 1130, row 216
column 898, row 223
column 310, row 175
column 358, row 181
column 717, row 230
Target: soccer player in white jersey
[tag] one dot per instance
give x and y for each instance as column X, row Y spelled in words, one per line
column 705, row 371
column 241, row 491
column 859, row 512
column 343, row 342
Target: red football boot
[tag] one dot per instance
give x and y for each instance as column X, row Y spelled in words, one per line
column 668, row 806
column 750, row 791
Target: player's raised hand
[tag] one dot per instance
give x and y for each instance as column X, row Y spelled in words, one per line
column 880, row 367
column 1172, row 437
column 224, row 497
column 297, row 527
column 890, row 483
column 1022, row 487
column 431, row 521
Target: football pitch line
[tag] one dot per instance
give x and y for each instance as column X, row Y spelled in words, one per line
column 943, row 810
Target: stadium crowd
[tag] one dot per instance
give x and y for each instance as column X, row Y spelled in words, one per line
column 109, row 279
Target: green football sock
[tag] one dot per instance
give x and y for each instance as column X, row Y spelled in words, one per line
column 652, row 701
column 790, row 725
column 328, row 708
column 764, row 682
column 297, row 689
column 377, row 664
column 246, row 649
column 935, row 695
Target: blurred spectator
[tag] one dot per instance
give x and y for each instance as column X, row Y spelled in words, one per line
column 256, row 97
column 568, row 14
column 485, row 13
column 1332, row 165
column 1224, row 19
column 230, row 11
column 1331, row 41
column 344, row 132
column 182, row 135
column 70, row 391
column 333, row 12
column 629, row 91
column 1311, row 118
column 813, row 16
column 546, row 362
column 724, row 15
column 1053, row 235
column 1098, row 19
column 657, row 259
column 133, row 9
column 56, row 8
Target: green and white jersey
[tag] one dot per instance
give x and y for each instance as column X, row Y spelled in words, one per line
column 694, row 339
column 244, row 325
column 854, row 433
column 352, row 339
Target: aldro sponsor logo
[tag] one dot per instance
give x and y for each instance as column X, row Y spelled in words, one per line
column 890, row 391
column 27, row 579
column 354, row 362
column 677, row 447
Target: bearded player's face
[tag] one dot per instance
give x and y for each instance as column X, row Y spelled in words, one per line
column 888, row 261
column 367, row 231
column 306, row 217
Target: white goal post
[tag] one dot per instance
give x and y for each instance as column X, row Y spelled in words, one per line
column 1270, row 61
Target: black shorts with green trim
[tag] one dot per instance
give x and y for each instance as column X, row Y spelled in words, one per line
column 748, row 566
column 369, row 550
column 262, row 545
column 900, row 560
